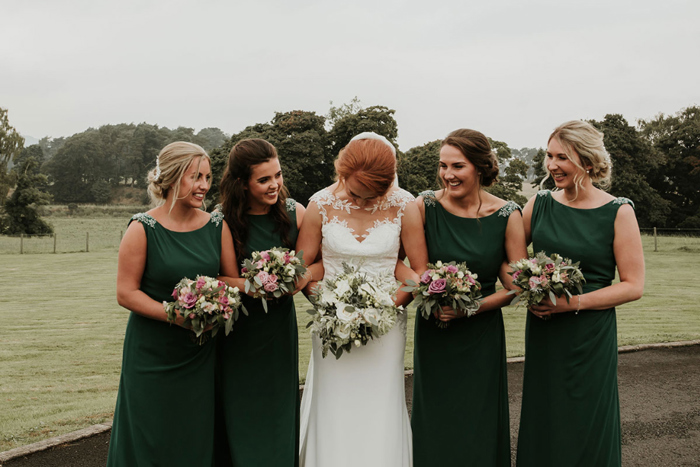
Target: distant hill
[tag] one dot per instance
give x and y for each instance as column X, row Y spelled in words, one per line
column 29, row 140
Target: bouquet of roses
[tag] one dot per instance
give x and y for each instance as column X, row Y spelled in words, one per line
column 272, row 273
column 353, row 308
column 543, row 276
column 203, row 302
column 446, row 284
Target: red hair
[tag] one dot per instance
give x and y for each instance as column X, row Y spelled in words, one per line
column 371, row 162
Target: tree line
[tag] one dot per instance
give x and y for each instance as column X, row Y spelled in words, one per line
column 656, row 163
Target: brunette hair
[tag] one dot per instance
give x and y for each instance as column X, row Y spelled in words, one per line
column 370, row 161
column 171, row 165
column 581, row 138
column 246, row 154
column 475, row 147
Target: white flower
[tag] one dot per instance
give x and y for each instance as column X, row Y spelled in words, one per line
column 460, row 274
column 342, row 287
column 342, row 314
column 343, row 331
column 367, row 288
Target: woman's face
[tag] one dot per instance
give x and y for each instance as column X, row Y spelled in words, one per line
column 459, row 175
column 561, row 168
column 264, row 185
column 358, row 193
column 195, row 183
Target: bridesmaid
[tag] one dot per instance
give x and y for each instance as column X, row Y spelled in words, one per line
column 259, row 373
column 570, row 408
column 460, row 392
column 165, row 407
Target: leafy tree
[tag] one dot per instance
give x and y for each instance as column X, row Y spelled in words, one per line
column 512, row 173
column 21, row 215
column 302, row 144
column 418, row 168
column 34, row 151
column 336, row 113
column 11, row 143
column 539, row 171
column 677, row 138
column 378, row 119
column 147, row 141
column 634, row 161
column 210, row 138
column 76, row 167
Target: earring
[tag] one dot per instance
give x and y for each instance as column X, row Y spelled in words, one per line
column 588, row 171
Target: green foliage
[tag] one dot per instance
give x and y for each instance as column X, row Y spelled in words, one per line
column 677, row 138
column 336, row 113
column 512, row 173
column 21, row 215
column 418, row 168
column 377, row 118
column 540, row 172
column 10, row 144
column 634, row 161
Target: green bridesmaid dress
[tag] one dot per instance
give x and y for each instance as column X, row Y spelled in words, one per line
column 165, row 407
column 570, row 408
column 259, row 371
column 460, row 389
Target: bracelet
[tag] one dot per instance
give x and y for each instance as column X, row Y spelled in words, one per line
column 578, row 308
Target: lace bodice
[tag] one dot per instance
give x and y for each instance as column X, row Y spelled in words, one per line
column 368, row 237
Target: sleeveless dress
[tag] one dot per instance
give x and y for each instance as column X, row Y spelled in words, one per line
column 259, row 371
column 165, row 406
column 460, row 387
column 570, row 408
column 353, row 410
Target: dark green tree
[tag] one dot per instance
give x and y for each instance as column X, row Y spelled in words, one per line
column 76, row 167
column 540, row 172
column 634, row 160
column 21, row 215
column 378, row 119
column 418, row 168
column 34, row 151
column 11, row 143
column 210, row 138
column 512, row 173
column 677, row 138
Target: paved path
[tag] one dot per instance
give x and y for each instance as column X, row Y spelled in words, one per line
column 660, row 410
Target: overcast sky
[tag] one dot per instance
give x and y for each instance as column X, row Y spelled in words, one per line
column 511, row 69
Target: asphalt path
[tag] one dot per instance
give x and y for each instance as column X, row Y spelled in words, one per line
column 659, row 408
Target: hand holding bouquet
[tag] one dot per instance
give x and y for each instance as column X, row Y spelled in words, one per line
column 272, row 273
column 543, row 276
column 353, row 308
column 446, row 284
column 203, row 302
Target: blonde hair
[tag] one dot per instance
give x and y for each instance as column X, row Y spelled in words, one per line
column 581, row 138
column 171, row 165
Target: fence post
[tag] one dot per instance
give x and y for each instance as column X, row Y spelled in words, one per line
column 87, row 242
column 655, row 244
column 21, row 244
column 54, row 242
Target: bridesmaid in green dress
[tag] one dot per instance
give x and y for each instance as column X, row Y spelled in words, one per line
column 570, row 407
column 259, row 368
column 165, row 407
column 460, row 391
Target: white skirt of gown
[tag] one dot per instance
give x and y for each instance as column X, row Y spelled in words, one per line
column 353, row 410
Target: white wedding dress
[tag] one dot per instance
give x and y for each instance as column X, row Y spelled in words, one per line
column 353, row 410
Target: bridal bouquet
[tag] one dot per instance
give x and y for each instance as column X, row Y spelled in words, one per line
column 203, row 302
column 352, row 308
column 272, row 273
column 446, row 284
column 543, row 276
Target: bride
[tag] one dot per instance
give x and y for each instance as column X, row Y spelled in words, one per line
column 353, row 411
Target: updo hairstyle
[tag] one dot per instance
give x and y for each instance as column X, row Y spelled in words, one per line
column 370, row 161
column 477, row 149
column 579, row 137
column 171, row 165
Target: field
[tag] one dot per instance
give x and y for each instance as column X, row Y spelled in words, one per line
column 62, row 330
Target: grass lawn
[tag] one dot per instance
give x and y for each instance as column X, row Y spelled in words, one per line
column 62, row 330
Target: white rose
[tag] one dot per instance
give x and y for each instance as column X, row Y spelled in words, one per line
column 343, row 331
column 342, row 314
column 460, row 274
column 342, row 287
column 367, row 288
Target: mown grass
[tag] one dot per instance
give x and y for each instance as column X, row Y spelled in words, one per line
column 62, row 330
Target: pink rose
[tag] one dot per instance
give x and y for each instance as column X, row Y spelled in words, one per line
column 452, row 269
column 222, row 283
column 270, row 287
column 425, row 278
column 437, row 286
column 175, row 293
column 272, row 278
column 260, row 264
column 223, row 300
column 262, row 275
column 244, row 270
column 470, row 279
column 265, row 255
column 549, row 267
column 543, row 280
column 287, row 258
column 189, row 300
column 516, row 274
column 200, row 283
column 534, row 282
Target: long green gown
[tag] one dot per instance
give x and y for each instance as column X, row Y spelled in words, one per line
column 165, row 407
column 259, row 373
column 460, row 389
column 570, row 408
